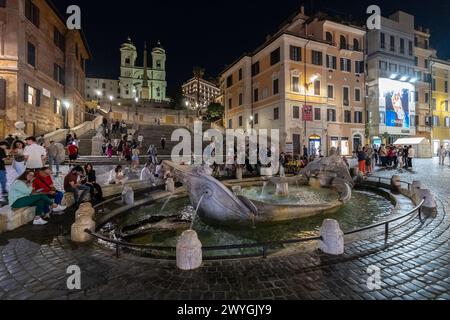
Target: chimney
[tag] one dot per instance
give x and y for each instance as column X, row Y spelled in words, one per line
column 428, row 30
column 302, row 10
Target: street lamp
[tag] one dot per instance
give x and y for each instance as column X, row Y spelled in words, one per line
column 99, row 94
column 111, row 98
column 66, row 105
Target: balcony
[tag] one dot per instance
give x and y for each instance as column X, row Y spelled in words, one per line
column 343, row 46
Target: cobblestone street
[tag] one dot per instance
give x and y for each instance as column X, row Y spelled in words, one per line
column 414, row 265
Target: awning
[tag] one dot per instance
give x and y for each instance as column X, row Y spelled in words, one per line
column 410, row 141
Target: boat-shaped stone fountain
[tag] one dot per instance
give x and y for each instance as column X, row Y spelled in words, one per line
column 218, row 204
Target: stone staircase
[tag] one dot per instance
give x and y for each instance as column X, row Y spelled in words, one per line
column 152, row 136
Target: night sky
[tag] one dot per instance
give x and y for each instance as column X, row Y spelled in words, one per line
column 214, row 33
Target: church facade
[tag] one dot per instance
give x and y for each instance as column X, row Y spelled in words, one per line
column 147, row 82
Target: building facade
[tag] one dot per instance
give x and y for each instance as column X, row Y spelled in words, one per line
column 399, row 80
column 440, row 104
column 392, row 100
column 308, row 81
column 132, row 83
column 98, row 89
column 42, row 68
column 199, row 93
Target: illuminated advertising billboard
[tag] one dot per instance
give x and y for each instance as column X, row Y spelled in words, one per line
column 398, row 101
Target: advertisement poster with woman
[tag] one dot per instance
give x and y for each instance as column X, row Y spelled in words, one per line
column 396, row 99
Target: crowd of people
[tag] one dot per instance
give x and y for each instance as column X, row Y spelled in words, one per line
column 34, row 185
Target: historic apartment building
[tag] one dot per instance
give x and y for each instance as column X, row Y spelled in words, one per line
column 308, row 81
column 400, row 80
column 99, row 89
column 199, row 93
column 42, row 68
column 440, row 104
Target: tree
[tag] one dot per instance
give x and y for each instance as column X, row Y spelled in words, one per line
column 215, row 111
column 198, row 72
column 177, row 102
column 367, row 132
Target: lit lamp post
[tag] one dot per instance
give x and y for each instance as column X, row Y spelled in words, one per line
column 66, row 114
column 99, row 94
column 136, row 100
column 251, row 121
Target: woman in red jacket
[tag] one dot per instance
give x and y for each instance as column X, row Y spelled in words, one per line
column 43, row 184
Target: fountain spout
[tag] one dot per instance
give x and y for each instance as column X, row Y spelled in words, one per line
column 196, row 212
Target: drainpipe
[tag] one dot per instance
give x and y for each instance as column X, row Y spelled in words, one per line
column 306, row 86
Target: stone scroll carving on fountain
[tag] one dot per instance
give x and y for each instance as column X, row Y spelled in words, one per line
column 331, row 172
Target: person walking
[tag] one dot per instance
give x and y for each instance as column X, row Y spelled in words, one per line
column 3, row 157
column 72, row 150
column 69, row 139
column 34, row 154
column 383, row 155
column 401, row 157
column 163, row 143
column 362, row 160
column 441, row 153
column 52, row 152
column 109, row 149
column 411, row 154
column 369, row 159
column 135, row 158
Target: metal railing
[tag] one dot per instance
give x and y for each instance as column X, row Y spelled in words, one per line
column 265, row 245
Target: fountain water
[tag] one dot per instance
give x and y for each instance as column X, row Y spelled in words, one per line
column 263, row 191
column 196, row 212
column 165, row 204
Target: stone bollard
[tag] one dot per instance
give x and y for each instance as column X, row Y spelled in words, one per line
column 86, row 209
column 429, row 207
column 416, row 185
column 170, row 185
column 239, row 173
column 332, row 237
column 128, row 195
column 189, row 251
column 396, row 184
column 83, row 221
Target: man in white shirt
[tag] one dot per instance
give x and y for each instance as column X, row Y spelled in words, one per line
column 34, row 154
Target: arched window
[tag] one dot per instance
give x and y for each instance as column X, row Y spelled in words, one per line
column 343, row 43
column 329, row 37
column 355, row 44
